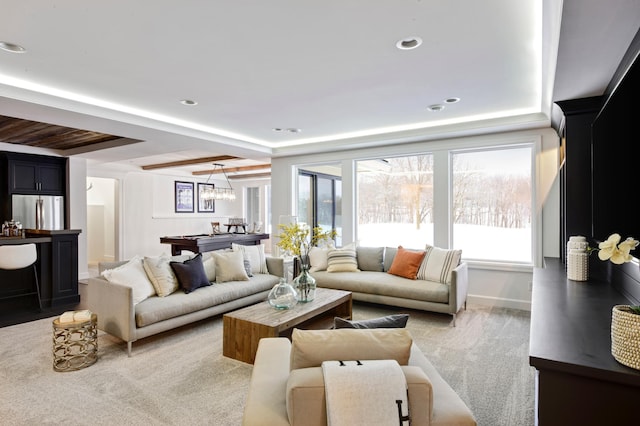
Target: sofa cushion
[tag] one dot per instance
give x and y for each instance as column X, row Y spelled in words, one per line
column 230, row 266
column 306, row 402
column 370, row 258
column 406, row 263
column 310, row 348
column 255, row 255
column 342, row 260
column 438, row 264
column 389, row 321
column 389, row 255
column 156, row 309
column 132, row 274
column 382, row 284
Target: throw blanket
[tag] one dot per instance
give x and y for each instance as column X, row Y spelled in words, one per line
column 365, row 393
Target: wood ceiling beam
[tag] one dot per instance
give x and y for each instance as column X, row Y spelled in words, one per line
column 250, row 176
column 231, row 169
column 189, row 162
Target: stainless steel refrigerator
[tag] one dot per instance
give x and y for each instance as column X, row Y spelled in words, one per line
column 38, row 211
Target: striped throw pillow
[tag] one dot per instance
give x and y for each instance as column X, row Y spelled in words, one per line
column 342, row 260
column 438, row 264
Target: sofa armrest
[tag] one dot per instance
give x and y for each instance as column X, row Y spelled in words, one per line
column 275, row 265
column 459, row 287
column 266, row 404
column 113, row 303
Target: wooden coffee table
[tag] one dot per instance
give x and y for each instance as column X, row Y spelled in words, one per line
column 243, row 329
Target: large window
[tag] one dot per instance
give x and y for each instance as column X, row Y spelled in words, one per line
column 489, row 192
column 395, row 201
column 320, row 201
column 478, row 199
column 492, row 203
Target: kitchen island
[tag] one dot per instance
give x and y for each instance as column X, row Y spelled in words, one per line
column 57, row 270
column 204, row 242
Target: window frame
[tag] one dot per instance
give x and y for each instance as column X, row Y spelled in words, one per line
column 535, row 233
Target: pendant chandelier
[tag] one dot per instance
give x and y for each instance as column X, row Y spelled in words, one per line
column 218, row 193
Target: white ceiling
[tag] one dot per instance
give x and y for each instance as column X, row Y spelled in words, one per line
column 330, row 69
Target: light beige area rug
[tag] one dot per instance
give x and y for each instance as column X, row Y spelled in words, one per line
column 181, row 378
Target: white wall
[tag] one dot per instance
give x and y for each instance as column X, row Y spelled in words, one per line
column 144, row 204
column 78, row 209
column 148, row 213
column 496, row 285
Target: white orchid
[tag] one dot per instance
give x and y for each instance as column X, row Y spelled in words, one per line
column 617, row 253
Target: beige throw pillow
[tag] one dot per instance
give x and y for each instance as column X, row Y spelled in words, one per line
column 160, row 274
column 309, row 348
column 318, row 258
column 230, row 266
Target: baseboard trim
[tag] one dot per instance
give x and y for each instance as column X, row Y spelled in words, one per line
column 499, row 302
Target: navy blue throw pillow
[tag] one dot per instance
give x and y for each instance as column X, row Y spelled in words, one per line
column 190, row 273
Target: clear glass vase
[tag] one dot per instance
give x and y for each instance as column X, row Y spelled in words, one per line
column 283, row 295
column 305, row 284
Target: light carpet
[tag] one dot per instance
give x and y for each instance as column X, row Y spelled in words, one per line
column 181, row 378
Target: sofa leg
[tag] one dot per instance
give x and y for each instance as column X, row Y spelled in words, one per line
column 453, row 322
column 129, row 344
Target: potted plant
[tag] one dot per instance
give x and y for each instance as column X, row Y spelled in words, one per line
column 296, row 238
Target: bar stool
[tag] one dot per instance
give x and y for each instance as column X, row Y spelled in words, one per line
column 21, row 256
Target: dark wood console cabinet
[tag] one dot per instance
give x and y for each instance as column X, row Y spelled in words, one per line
column 578, row 380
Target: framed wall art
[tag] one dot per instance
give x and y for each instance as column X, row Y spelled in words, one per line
column 184, row 197
column 206, row 204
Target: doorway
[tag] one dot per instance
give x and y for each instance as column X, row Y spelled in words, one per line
column 101, row 221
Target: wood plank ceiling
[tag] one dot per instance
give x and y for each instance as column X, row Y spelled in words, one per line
column 43, row 135
column 19, row 131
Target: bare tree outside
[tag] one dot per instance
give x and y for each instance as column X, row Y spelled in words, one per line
column 396, row 192
column 491, row 201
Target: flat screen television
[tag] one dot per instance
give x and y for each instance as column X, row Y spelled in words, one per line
column 616, row 161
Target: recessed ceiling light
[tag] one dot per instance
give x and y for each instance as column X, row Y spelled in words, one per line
column 188, row 102
column 409, row 43
column 451, row 100
column 288, row 129
column 11, row 47
column 435, row 107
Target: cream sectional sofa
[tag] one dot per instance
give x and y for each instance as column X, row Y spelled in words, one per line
column 368, row 278
column 287, row 384
column 121, row 313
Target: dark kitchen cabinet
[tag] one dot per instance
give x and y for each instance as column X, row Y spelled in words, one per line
column 41, row 175
column 29, row 174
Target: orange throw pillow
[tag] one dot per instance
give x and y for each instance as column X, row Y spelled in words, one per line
column 406, row 263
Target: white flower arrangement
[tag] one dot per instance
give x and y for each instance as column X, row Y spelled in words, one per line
column 615, row 251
